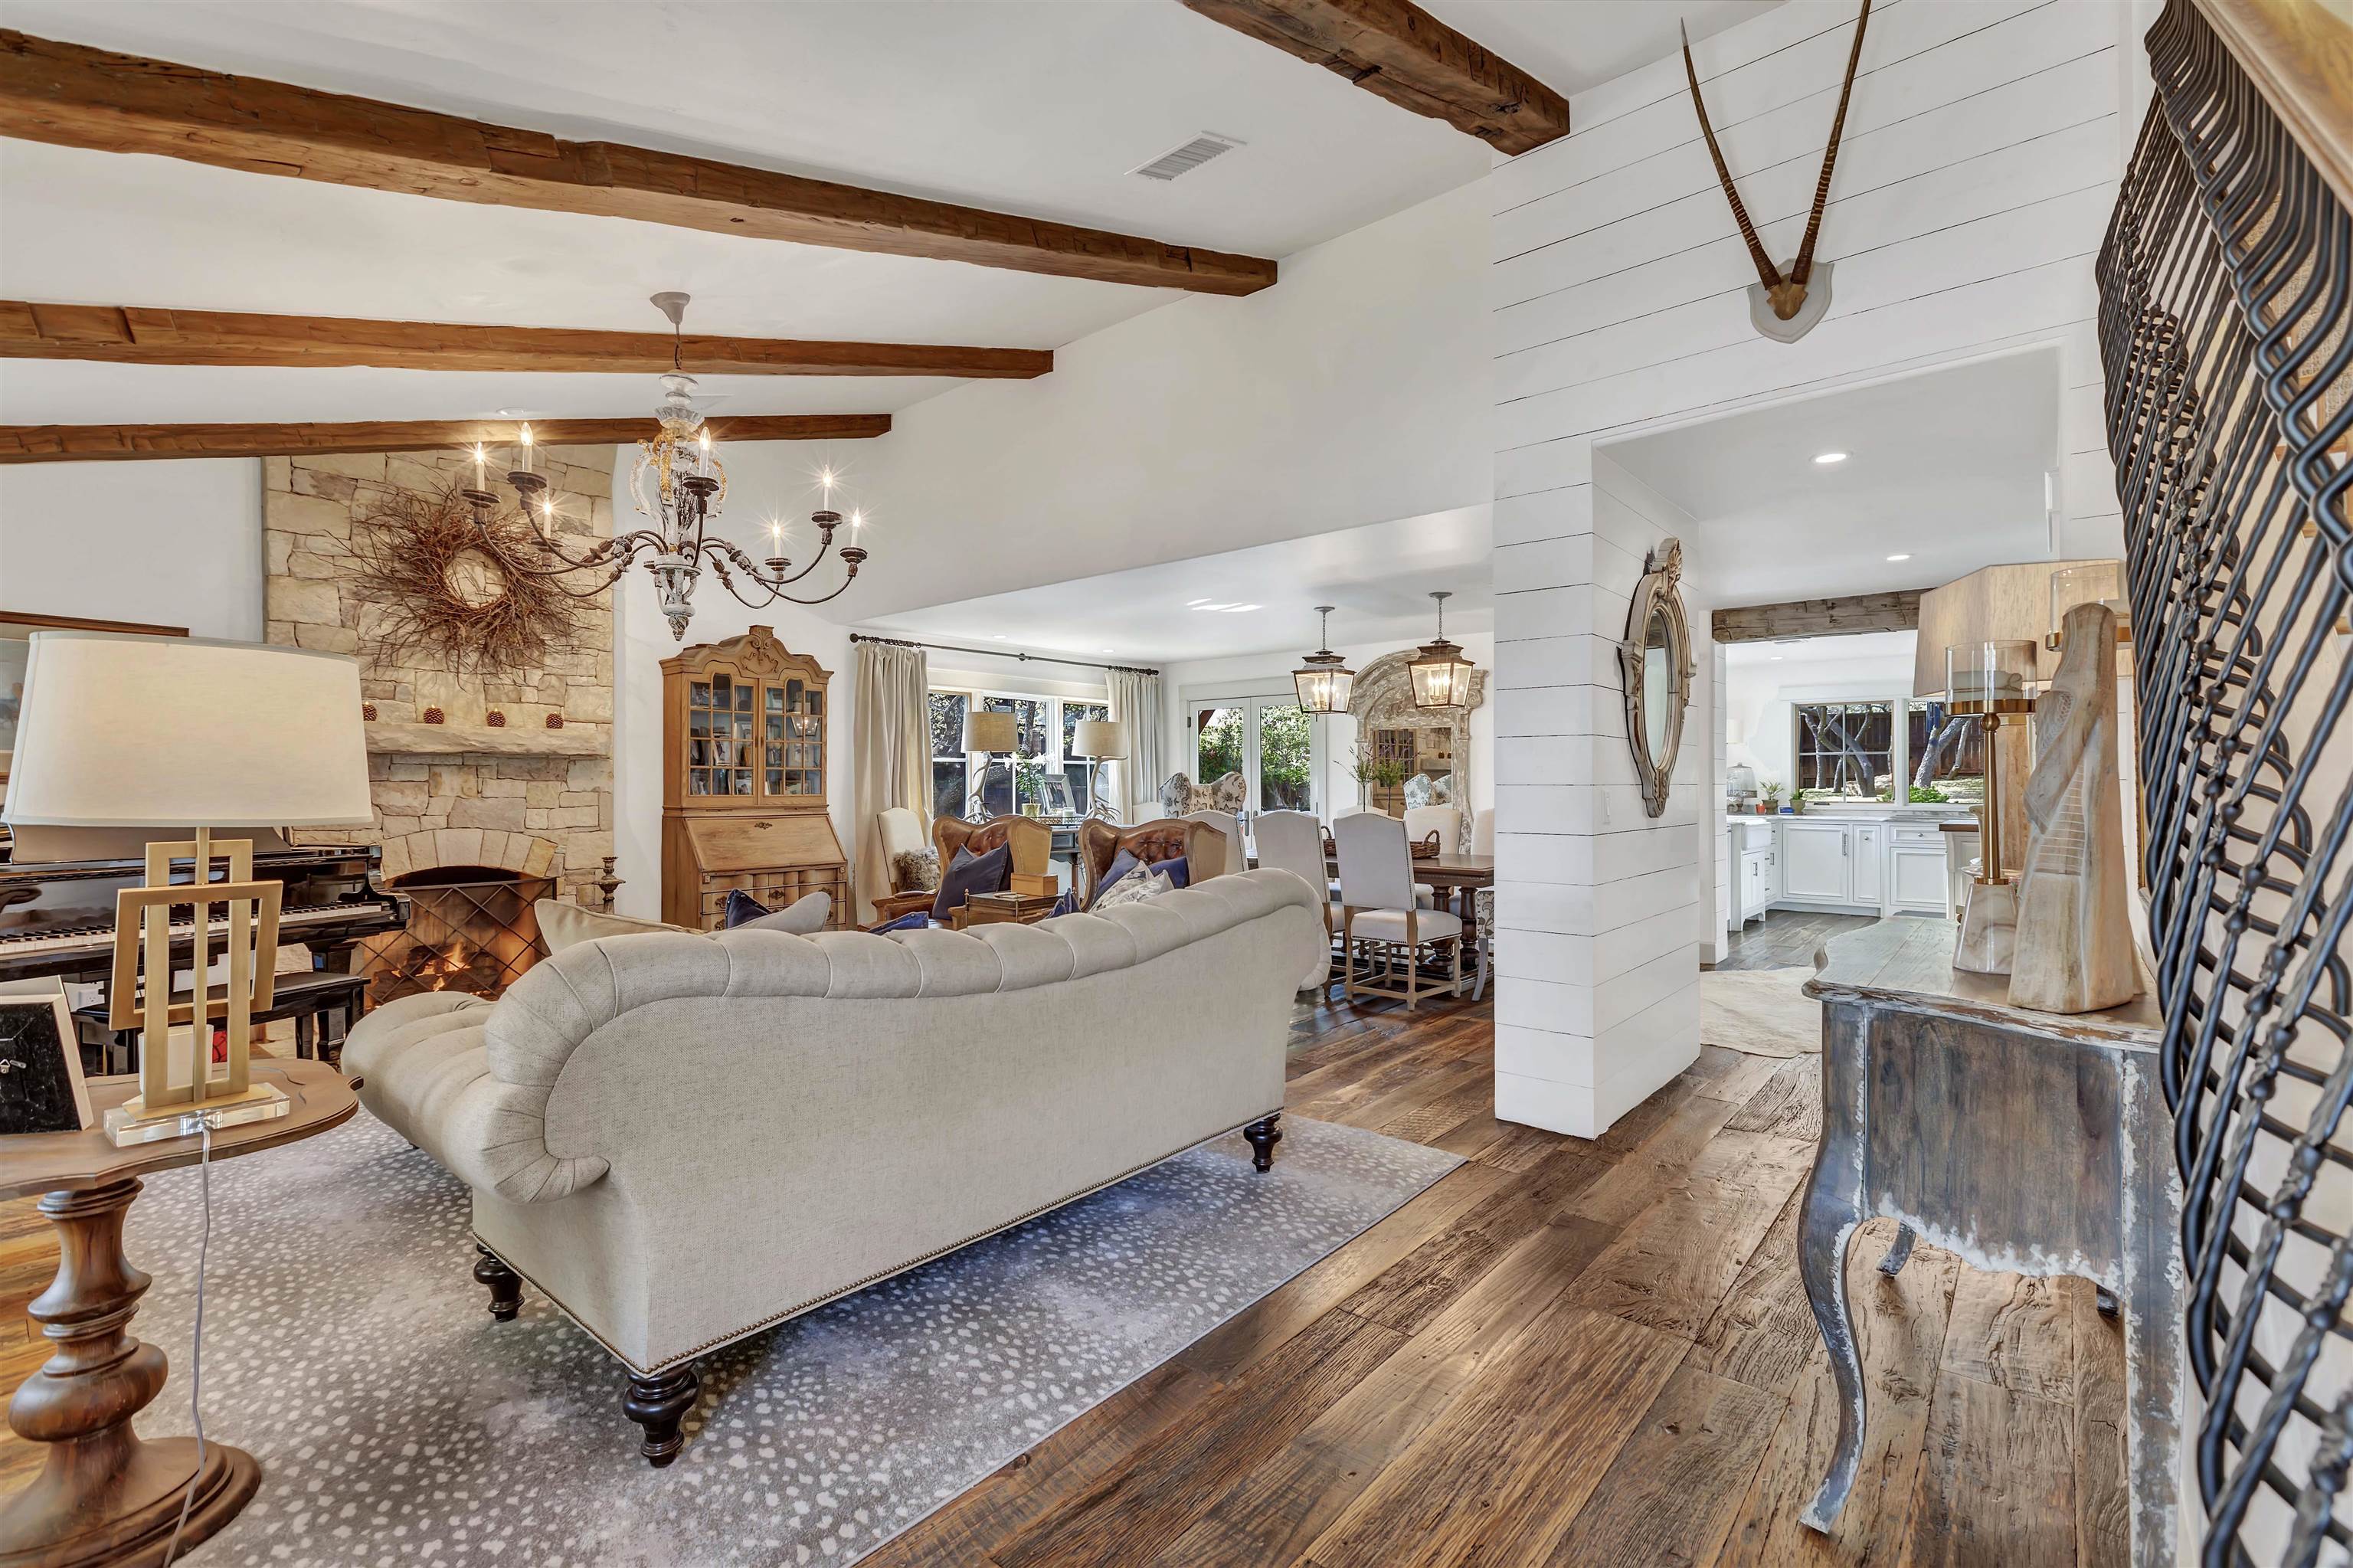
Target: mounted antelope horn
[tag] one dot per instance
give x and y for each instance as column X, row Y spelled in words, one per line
column 1785, row 293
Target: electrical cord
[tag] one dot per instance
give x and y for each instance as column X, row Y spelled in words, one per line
column 196, row 1347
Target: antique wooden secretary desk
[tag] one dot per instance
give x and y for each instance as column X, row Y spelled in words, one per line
column 744, row 792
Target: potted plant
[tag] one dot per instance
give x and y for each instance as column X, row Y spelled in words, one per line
column 1770, row 789
column 1371, row 772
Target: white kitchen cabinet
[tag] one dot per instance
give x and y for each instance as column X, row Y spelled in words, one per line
column 1814, row 861
column 1864, row 849
column 1917, row 875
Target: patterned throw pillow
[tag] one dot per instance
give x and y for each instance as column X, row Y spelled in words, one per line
column 1133, row 889
column 917, row 871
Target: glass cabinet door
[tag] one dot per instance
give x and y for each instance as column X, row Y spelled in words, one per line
column 791, row 760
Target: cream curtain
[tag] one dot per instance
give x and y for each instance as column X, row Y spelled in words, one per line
column 891, row 753
column 1136, row 702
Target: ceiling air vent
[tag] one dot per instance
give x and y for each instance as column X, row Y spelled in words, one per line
column 1188, row 157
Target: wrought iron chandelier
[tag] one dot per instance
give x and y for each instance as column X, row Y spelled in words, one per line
column 1442, row 676
column 1324, row 678
column 678, row 481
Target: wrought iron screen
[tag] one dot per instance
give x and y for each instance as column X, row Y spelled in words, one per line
column 2224, row 305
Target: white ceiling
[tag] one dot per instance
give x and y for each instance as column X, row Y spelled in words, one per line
column 1378, row 577
column 1571, row 45
column 1946, row 467
column 1031, row 106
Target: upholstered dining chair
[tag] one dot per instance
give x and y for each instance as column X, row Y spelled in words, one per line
column 1167, row 838
column 1377, row 906
column 1231, row 825
column 1293, row 842
column 1482, row 899
column 1420, row 822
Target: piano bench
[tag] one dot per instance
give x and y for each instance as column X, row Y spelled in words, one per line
column 323, row 1004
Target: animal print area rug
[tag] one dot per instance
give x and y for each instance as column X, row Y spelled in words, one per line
column 349, row 1349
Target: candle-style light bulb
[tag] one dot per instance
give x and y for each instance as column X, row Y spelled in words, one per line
column 775, row 537
column 702, row 453
column 480, row 457
column 529, row 464
column 857, row 518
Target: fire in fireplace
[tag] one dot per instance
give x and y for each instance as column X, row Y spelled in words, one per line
column 470, row 928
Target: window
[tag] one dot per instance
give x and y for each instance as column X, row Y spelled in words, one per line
column 949, row 767
column 1946, row 752
column 1077, row 769
column 1845, row 748
column 1043, row 729
column 1285, row 759
column 1219, row 736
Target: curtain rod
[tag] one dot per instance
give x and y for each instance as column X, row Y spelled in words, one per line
column 1001, row 653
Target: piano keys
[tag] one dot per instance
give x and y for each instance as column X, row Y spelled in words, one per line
column 56, row 910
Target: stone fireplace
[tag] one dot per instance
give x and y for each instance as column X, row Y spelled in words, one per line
column 486, row 806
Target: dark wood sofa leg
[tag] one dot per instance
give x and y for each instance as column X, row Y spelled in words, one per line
column 659, row 1404
column 506, row 1284
column 1263, row 1135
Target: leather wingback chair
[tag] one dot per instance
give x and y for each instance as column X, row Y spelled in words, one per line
column 1203, row 847
column 1033, row 858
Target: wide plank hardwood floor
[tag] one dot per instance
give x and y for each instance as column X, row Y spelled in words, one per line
column 1572, row 1353
column 1566, row 1352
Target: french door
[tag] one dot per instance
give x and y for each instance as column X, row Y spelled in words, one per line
column 1275, row 746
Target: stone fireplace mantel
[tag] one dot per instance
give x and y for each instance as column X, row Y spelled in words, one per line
column 388, row 737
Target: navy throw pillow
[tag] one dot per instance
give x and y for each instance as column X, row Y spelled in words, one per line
column 972, row 874
column 1121, row 864
column 1176, row 871
column 741, row 907
column 915, row 922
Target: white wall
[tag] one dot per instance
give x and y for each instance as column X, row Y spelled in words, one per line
column 1982, row 150
column 1269, row 675
column 761, row 474
column 173, row 542
column 1354, row 391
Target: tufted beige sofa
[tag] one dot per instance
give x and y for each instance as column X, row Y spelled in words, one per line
column 682, row 1139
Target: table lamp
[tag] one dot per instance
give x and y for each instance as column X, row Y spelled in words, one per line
column 1098, row 741
column 989, row 733
column 1988, row 679
column 122, row 731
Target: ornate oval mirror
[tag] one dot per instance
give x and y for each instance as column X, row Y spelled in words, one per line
column 1656, row 662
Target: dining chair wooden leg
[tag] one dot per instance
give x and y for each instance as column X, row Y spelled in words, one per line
column 1347, row 955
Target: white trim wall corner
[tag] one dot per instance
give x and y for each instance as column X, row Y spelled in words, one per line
column 1981, row 157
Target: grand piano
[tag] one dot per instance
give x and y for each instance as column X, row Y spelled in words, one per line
column 57, row 888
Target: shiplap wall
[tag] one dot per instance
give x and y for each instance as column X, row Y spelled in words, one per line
column 1981, row 156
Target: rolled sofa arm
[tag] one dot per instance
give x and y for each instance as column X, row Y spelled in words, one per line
column 491, row 1132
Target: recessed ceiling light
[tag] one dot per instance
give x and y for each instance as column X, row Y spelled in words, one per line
column 1195, row 603
column 1240, row 609
column 1826, row 459
column 1902, row 557
column 1106, row 649
column 1775, row 659
column 999, row 636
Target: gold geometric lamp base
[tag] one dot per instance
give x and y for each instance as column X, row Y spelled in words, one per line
column 179, row 1092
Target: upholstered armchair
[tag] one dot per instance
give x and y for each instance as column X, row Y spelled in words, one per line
column 1203, row 847
column 1033, row 859
column 1181, row 795
column 899, row 832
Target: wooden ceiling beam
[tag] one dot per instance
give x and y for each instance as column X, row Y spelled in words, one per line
column 1896, row 611
column 94, row 443
column 138, row 334
column 74, row 96
column 1395, row 49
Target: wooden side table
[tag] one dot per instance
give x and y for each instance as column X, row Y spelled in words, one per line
column 105, row 1495
column 1001, row 908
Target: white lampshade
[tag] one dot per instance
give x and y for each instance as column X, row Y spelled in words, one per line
column 986, row 731
column 120, row 731
column 1099, row 740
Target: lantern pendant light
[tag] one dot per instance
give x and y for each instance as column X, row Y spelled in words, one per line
column 1442, row 676
column 1323, row 677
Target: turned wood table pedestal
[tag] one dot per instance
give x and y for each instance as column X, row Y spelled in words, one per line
column 104, row 1494
column 2027, row 1142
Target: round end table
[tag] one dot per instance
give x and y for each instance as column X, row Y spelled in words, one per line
column 105, row 1495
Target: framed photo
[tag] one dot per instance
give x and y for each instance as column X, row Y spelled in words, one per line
column 41, row 1085
column 1054, row 796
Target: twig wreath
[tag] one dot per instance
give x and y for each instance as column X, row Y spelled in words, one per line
column 438, row 593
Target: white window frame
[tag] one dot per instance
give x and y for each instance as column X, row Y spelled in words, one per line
column 1054, row 760
column 1252, row 698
